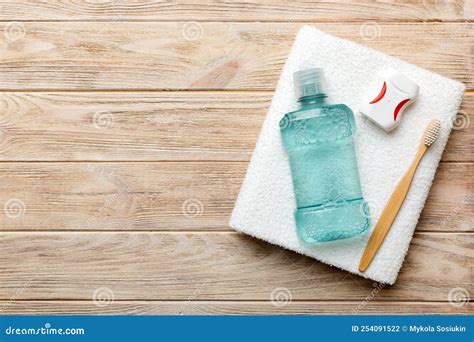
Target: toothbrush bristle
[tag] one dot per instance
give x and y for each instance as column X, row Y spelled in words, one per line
column 432, row 132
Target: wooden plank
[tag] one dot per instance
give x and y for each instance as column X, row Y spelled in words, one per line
column 177, row 55
column 131, row 126
column 461, row 140
column 171, row 196
column 111, row 126
column 267, row 10
column 194, row 307
column 212, row 266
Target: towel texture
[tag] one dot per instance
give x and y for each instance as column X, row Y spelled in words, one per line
column 265, row 205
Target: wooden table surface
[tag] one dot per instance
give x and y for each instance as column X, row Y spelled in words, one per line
column 125, row 133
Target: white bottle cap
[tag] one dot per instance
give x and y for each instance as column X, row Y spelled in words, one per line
column 387, row 98
column 309, row 82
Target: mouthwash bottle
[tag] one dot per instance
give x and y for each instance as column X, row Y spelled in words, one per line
column 319, row 140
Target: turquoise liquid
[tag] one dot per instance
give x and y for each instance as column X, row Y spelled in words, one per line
column 319, row 140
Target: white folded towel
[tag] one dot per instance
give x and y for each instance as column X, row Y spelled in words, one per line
column 266, row 202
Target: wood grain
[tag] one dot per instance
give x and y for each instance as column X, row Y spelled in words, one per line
column 211, row 266
column 145, row 221
column 111, row 126
column 267, row 10
column 170, row 196
column 195, row 307
column 177, row 55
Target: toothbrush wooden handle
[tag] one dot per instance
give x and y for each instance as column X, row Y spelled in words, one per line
column 390, row 212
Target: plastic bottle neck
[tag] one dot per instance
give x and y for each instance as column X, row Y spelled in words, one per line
column 312, row 101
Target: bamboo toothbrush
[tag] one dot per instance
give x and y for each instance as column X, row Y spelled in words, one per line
column 398, row 196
